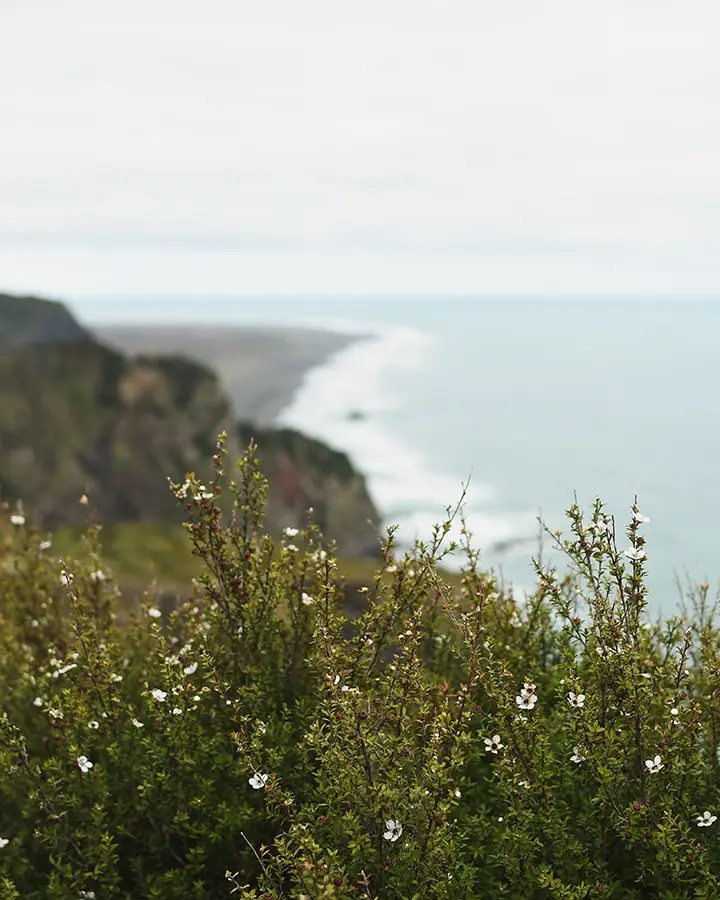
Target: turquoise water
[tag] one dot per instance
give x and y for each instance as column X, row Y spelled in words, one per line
column 536, row 398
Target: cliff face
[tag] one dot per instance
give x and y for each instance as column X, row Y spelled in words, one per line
column 80, row 418
column 304, row 473
column 77, row 417
column 30, row 320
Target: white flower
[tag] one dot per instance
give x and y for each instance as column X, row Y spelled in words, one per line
column 87, row 895
column 184, row 489
column 528, row 689
column 17, row 519
column 159, row 695
column 577, row 757
column 635, row 554
column 177, row 711
column 154, row 612
column 391, row 569
column 640, row 518
column 394, row 830
column 37, row 701
column 191, row 669
column 64, row 670
column 674, row 711
column 603, row 526
column 292, row 548
column 706, row 819
column 84, row 764
column 114, row 677
column 493, row 744
column 44, row 545
column 654, row 765
column 526, row 701
column 307, row 599
column 4, row 842
column 97, row 576
column 66, row 578
column 259, row 780
column 137, row 724
column 291, row 532
column 577, row 700
column 94, row 725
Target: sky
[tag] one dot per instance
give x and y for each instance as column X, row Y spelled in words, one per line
column 321, row 147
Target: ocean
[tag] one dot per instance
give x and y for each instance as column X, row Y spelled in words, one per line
column 527, row 401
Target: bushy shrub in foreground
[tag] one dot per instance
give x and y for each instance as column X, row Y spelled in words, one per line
column 445, row 744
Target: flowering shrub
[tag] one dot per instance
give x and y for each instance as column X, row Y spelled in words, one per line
column 447, row 743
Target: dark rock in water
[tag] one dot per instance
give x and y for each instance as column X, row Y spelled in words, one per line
column 356, row 415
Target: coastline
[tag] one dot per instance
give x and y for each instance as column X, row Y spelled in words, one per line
column 410, row 489
column 335, row 381
column 262, row 368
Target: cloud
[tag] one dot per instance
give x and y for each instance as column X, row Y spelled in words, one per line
column 491, row 147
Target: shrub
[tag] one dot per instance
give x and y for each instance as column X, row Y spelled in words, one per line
column 446, row 743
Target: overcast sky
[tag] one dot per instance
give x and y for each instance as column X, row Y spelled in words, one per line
column 464, row 146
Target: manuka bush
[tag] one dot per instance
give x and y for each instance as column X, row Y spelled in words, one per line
column 447, row 743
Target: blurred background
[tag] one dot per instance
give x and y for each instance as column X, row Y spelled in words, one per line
column 404, row 245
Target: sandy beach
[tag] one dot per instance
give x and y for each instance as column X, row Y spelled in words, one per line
column 261, row 367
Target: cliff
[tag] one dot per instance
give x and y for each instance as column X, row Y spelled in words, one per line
column 303, row 473
column 78, row 417
column 31, row 320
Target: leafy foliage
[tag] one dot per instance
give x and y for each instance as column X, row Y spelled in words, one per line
column 446, row 742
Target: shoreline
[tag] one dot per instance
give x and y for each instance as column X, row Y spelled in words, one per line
column 262, row 368
column 313, row 379
column 411, row 491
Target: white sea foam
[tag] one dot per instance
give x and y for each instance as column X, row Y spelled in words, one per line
column 407, row 484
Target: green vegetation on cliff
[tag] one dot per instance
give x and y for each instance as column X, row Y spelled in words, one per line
column 78, row 418
column 31, row 320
